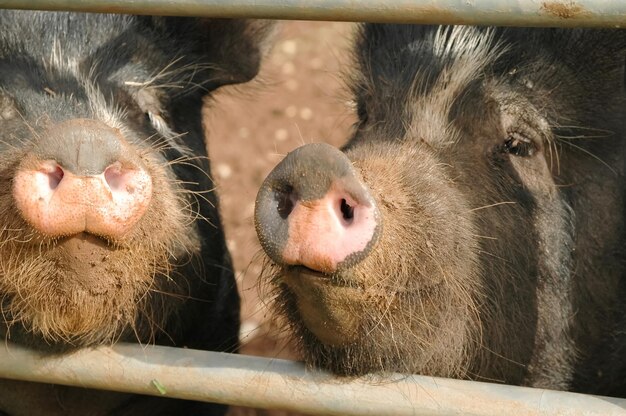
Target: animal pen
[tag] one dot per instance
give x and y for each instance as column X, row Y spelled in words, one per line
column 280, row 384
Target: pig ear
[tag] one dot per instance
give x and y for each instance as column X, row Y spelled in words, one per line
column 232, row 48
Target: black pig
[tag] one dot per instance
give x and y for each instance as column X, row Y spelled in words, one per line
column 472, row 227
column 109, row 229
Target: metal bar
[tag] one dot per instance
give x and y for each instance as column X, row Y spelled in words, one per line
column 281, row 384
column 566, row 13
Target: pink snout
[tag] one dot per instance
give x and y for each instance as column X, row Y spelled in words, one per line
column 81, row 175
column 325, row 232
column 314, row 211
column 57, row 202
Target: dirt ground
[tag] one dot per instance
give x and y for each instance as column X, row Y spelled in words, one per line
column 300, row 98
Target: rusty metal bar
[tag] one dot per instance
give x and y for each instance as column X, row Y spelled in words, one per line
column 566, row 13
column 281, row 384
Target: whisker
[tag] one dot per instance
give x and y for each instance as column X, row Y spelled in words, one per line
column 591, row 154
column 493, row 205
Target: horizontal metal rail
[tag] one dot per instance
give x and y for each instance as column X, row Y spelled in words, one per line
column 280, row 384
column 566, row 13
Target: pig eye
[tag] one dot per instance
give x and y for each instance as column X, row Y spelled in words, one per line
column 518, row 145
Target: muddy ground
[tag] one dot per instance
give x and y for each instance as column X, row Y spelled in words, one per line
column 300, row 98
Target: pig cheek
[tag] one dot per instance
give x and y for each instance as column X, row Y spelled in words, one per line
column 332, row 313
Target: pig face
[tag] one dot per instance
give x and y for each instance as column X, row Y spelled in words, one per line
column 108, row 221
column 451, row 236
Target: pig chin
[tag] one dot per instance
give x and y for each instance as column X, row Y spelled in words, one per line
column 89, row 263
column 81, row 290
column 346, row 328
column 84, row 290
column 331, row 311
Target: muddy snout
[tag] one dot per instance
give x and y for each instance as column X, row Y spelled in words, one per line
column 313, row 210
column 82, row 176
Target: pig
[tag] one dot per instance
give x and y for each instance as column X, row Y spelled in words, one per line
column 473, row 225
column 109, row 225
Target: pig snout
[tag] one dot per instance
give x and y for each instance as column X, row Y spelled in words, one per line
column 313, row 210
column 82, row 177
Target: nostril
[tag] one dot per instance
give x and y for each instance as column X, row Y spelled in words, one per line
column 285, row 202
column 114, row 176
column 55, row 175
column 347, row 212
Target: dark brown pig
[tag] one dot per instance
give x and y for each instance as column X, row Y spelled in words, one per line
column 473, row 225
column 109, row 226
